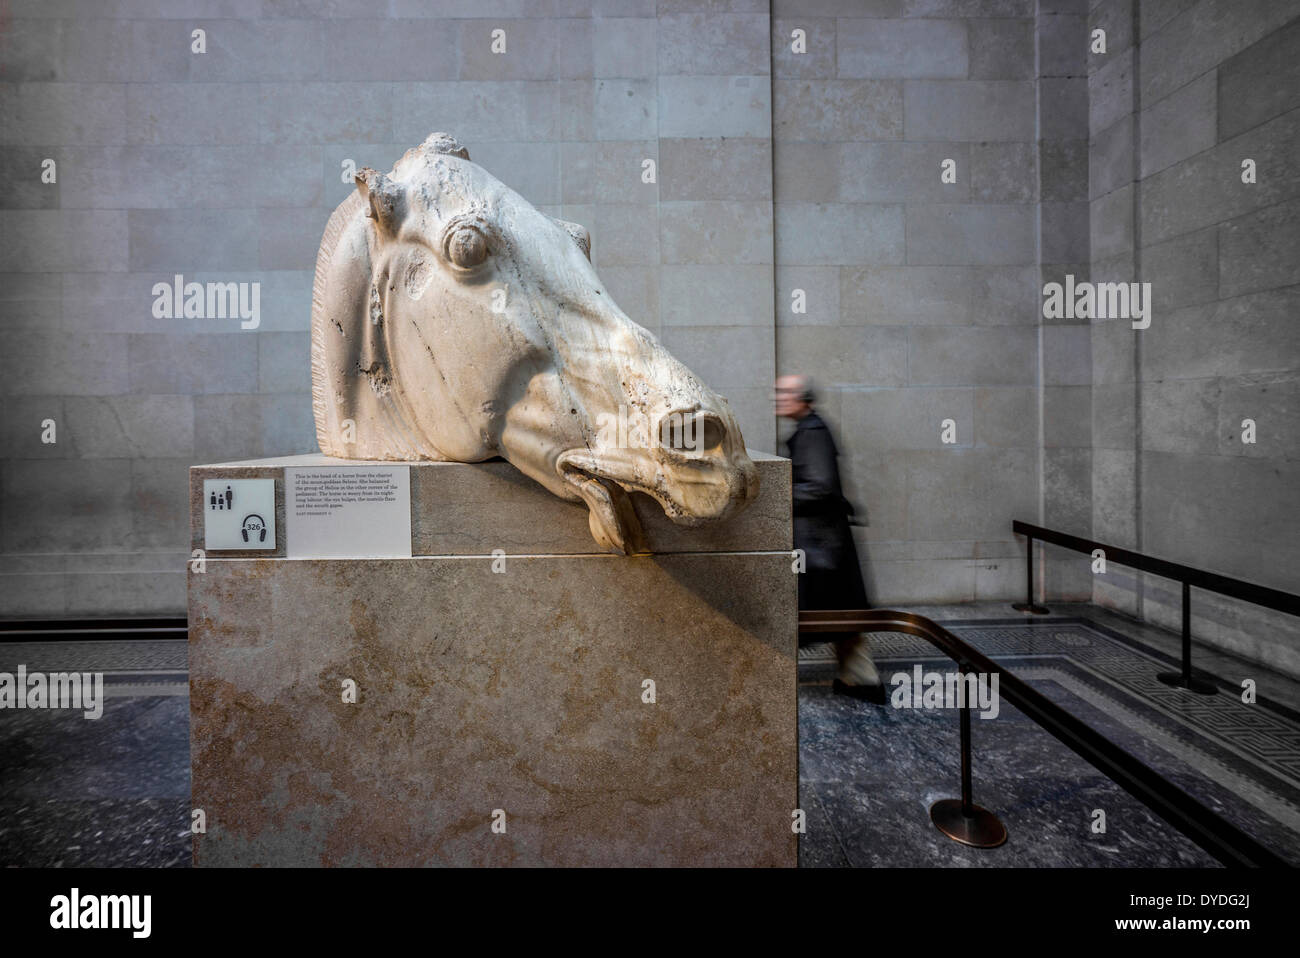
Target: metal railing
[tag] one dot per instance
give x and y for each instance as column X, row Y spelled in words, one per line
column 964, row 821
column 51, row 630
column 1210, row 581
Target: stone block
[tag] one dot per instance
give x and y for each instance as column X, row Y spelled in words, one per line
column 21, row 427
column 1067, row 491
column 625, row 109
column 1181, row 125
column 1183, row 271
column 969, row 493
column 715, row 169
column 222, row 114
column 818, row 57
column 973, row 355
column 227, row 426
column 536, row 49
column 287, row 423
column 66, row 363
column 939, row 295
column 1181, row 416
column 821, row 295
column 846, row 355
column 981, row 234
column 1214, row 178
column 1110, row 158
column 1111, row 224
column 479, row 691
column 726, row 357
column 53, row 114
column 1063, row 45
column 1067, row 416
column 838, row 233
column 605, row 172
column 179, row 240
column 1211, row 512
column 975, row 110
column 1110, row 91
column 625, row 235
column 899, row 49
column 159, row 513
column 1116, row 18
column 1260, row 251
column 1156, row 14
column 1001, row 49
column 533, row 170
column 624, row 47
column 837, row 110
column 46, row 503
column 136, row 427
column 968, row 8
column 1207, row 34
column 1067, row 355
column 1272, row 400
column 1115, row 497
column 700, row 43
column 193, row 364
column 693, row 295
column 713, row 106
column 894, row 172
column 909, row 419
column 1007, row 416
column 1255, row 333
column 715, row 232
column 51, row 241
column 1114, row 415
column 1062, row 108
column 1064, row 171
column 1259, row 83
column 1065, row 232
column 1004, row 172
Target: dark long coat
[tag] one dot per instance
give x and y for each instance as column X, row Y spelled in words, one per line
column 833, row 579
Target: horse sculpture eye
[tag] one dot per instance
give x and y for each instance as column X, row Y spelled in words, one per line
column 467, row 247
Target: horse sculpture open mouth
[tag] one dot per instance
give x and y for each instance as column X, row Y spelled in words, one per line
column 452, row 320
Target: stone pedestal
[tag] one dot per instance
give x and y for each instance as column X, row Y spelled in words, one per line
column 512, row 698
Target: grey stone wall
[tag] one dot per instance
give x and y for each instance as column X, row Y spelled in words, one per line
column 922, row 295
column 1183, row 95
column 224, row 166
column 776, row 171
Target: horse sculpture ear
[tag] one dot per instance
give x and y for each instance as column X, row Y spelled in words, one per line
column 381, row 196
column 579, row 234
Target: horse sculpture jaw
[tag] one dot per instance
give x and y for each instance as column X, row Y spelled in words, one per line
column 613, row 522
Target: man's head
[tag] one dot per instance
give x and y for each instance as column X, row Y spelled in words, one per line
column 794, row 396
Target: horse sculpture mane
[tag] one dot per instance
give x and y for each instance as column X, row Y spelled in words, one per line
column 453, row 321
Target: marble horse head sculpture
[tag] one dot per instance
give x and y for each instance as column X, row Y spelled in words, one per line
column 453, row 321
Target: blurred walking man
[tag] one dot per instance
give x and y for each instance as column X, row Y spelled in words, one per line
column 833, row 579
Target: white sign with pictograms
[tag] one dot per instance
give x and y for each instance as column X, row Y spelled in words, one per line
column 238, row 514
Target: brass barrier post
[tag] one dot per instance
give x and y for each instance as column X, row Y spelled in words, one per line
column 961, row 819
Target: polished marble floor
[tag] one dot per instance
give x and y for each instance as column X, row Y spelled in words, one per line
column 870, row 772
column 115, row 792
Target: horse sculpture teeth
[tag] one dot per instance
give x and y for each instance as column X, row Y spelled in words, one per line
column 453, row 321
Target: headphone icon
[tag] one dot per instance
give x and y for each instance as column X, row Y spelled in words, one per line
column 260, row 524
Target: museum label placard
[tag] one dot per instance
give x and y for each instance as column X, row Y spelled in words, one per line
column 348, row 512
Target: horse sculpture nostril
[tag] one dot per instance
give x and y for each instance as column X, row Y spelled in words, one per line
column 691, row 431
